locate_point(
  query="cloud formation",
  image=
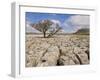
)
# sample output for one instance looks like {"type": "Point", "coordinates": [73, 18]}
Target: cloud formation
{"type": "Point", "coordinates": [29, 28]}
{"type": "Point", "coordinates": [75, 22]}
{"type": "Point", "coordinates": [56, 21]}
{"type": "Point", "coordinates": [70, 25]}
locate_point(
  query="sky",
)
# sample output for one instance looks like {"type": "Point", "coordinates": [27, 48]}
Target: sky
{"type": "Point", "coordinates": [69, 22]}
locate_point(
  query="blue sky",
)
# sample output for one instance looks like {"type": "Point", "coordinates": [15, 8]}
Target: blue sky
{"type": "Point", "coordinates": [68, 22]}
{"type": "Point", "coordinates": [36, 17]}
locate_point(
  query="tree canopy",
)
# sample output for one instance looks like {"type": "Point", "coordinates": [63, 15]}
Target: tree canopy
{"type": "Point", "coordinates": [44, 26]}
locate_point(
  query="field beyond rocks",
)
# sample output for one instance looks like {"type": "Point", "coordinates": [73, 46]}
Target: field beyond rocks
{"type": "Point", "coordinates": [59, 50]}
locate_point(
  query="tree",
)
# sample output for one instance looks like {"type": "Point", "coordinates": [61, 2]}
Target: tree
{"type": "Point", "coordinates": [44, 26]}
{"type": "Point", "coordinates": [54, 30]}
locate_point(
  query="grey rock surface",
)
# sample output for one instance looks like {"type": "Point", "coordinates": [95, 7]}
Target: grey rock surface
{"type": "Point", "coordinates": [57, 51]}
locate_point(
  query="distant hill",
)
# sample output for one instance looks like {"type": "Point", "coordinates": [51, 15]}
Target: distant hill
{"type": "Point", "coordinates": [83, 31]}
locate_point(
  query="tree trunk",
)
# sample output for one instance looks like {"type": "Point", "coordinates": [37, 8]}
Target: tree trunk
{"type": "Point", "coordinates": [44, 34]}
{"type": "Point", "coordinates": [53, 33]}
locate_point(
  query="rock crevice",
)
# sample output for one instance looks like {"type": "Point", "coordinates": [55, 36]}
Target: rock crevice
{"type": "Point", "coordinates": [69, 50]}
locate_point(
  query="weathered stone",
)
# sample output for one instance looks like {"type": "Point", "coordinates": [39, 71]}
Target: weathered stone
{"type": "Point", "coordinates": [58, 50]}
{"type": "Point", "coordinates": [84, 58]}
{"type": "Point", "coordinates": [66, 60]}
{"type": "Point", "coordinates": [50, 57]}
{"type": "Point", "coordinates": [31, 61]}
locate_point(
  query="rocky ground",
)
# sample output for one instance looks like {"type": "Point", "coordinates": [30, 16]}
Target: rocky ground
{"type": "Point", "coordinates": [57, 51]}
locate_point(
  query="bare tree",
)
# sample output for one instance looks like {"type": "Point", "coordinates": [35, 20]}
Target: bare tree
{"type": "Point", "coordinates": [44, 26]}
{"type": "Point", "coordinates": [54, 30]}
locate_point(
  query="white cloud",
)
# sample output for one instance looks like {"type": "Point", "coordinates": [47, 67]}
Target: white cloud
{"type": "Point", "coordinates": [29, 27]}
{"type": "Point", "coordinates": [76, 22]}
{"type": "Point", "coordinates": [56, 21]}
{"type": "Point", "coordinates": [54, 25]}
{"type": "Point", "coordinates": [80, 20]}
